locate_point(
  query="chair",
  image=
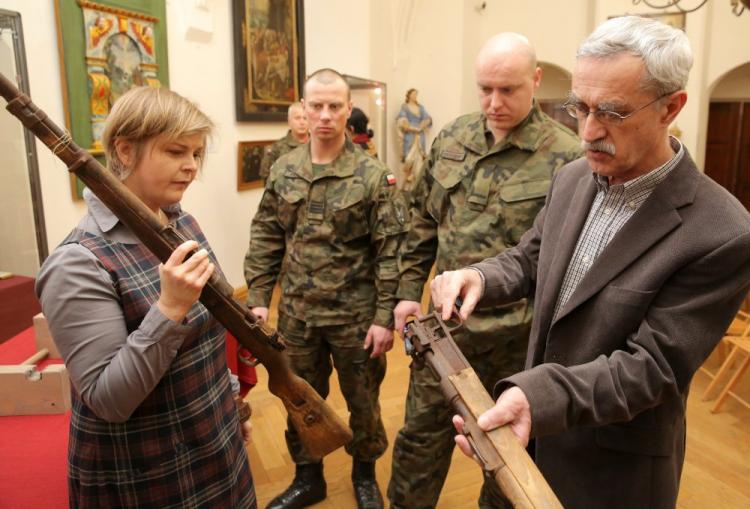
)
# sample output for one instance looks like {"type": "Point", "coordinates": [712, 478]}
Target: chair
{"type": "Point", "coordinates": [740, 349]}
{"type": "Point", "coordinates": [741, 346]}
{"type": "Point", "coordinates": [739, 327]}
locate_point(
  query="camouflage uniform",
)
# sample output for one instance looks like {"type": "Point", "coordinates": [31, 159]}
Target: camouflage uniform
{"type": "Point", "coordinates": [469, 203]}
{"type": "Point", "coordinates": [333, 235]}
{"type": "Point", "coordinates": [274, 151]}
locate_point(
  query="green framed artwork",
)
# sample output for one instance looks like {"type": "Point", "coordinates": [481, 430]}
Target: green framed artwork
{"type": "Point", "coordinates": [106, 48]}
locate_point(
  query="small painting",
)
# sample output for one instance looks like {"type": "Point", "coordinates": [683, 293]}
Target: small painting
{"type": "Point", "coordinates": [249, 157]}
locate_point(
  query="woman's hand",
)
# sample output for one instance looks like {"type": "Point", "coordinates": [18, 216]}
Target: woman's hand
{"type": "Point", "coordinates": [182, 281]}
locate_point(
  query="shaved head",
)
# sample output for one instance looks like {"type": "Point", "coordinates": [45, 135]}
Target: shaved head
{"type": "Point", "coordinates": [507, 78]}
{"type": "Point", "coordinates": [327, 76]}
{"type": "Point", "coordinates": [507, 48]}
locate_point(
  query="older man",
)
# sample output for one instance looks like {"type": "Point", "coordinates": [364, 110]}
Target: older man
{"type": "Point", "coordinates": [638, 262]}
{"type": "Point", "coordinates": [483, 184]}
{"type": "Point", "coordinates": [296, 135]}
{"type": "Point", "coordinates": [330, 222]}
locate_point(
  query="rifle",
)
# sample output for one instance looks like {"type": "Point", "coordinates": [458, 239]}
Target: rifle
{"type": "Point", "coordinates": [429, 342]}
{"type": "Point", "coordinates": [320, 429]}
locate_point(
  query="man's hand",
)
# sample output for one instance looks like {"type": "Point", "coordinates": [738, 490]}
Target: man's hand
{"type": "Point", "coordinates": [261, 312]}
{"type": "Point", "coordinates": [380, 338]}
{"type": "Point", "coordinates": [448, 286]}
{"type": "Point", "coordinates": [247, 431]}
{"type": "Point", "coordinates": [511, 408]}
{"type": "Point", "coordinates": [404, 310]}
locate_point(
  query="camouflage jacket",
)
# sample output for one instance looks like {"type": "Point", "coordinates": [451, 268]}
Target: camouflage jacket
{"type": "Point", "coordinates": [471, 202]}
{"type": "Point", "coordinates": [332, 237]}
{"type": "Point", "coordinates": [277, 149]}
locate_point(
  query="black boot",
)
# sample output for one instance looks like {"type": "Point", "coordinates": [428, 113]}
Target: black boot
{"type": "Point", "coordinates": [365, 486]}
{"type": "Point", "coordinates": [308, 488]}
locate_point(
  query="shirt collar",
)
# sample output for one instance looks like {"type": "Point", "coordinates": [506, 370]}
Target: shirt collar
{"type": "Point", "coordinates": [106, 220]}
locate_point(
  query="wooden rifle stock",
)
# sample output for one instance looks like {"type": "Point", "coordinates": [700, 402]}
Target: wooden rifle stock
{"type": "Point", "coordinates": [429, 342]}
{"type": "Point", "coordinates": [320, 429]}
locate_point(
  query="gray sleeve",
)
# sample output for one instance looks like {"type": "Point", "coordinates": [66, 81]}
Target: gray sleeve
{"type": "Point", "coordinates": [111, 370]}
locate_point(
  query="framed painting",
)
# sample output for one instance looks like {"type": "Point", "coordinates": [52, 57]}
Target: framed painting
{"type": "Point", "coordinates": [106, 47]}
{"type": "Point", "coordinates": [249, 157]}
{"type": "Point", "coordinates": [269, 57]}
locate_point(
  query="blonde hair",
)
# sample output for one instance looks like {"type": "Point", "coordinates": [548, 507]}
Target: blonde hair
{"type": "Point", "coordinates": [143, 113]}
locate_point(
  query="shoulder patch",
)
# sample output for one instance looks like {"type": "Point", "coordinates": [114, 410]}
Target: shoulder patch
{"type": "Point", "coordinates": [390, 179]}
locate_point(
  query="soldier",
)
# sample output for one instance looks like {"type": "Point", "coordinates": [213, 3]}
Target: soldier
{"type": "Point", "coordinates": [295, 136]}
{"type": "Point", "coordinates": [484, 182]}
{"type": "Point", "coordinates": [330, 222]}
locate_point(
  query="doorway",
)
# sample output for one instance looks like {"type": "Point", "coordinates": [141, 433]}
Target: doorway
{"type": "Point", "coordinates": [728, 147]}
{"type": "Point", "coordinates": [23, 235]}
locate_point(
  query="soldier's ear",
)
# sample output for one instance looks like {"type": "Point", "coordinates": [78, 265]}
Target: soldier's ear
{"type": "Point", "coordinates": [537, 77]}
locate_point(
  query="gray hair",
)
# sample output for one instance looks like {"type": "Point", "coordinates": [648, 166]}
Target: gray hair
{"type": "Point", "coordinates": [665, 50]}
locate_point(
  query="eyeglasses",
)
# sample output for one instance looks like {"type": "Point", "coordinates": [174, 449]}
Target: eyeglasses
{"type": "Point", "coordinates": [581, 111]}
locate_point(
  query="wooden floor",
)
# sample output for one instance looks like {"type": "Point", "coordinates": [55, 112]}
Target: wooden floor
{"type": "Point", "coordinates": [716, 473]}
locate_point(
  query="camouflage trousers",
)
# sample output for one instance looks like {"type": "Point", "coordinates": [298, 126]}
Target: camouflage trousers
{"type": "Point", "coordinates": [313, 352]}
{"type": "Point", "coordinates": [424, 446]}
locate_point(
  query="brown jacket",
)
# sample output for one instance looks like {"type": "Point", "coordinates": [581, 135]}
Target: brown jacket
{"type": "Point", "coordinates": [607, 380]}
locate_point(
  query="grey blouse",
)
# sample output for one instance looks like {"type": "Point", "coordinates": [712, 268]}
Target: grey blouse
{"type": "Point", "coordinates": [111, 370]}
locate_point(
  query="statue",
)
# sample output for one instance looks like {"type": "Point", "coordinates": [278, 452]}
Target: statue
{"type": "Point", "coordinates": [412, 122]}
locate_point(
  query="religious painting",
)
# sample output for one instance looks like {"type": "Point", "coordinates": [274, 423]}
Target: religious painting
{"type": "Point", "coordinates": [269, 57]}
{"type": "Point", "coordinates": [249, 157]}
{"type": "Point", "coordinates": [107, 47]}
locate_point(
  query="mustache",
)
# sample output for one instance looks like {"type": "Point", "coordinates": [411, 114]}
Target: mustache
{"type": "Point", "coordinates": [599, 146]}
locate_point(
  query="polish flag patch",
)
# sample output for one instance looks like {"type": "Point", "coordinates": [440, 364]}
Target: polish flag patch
{"type": "Point", "coordinates": [391, 179]}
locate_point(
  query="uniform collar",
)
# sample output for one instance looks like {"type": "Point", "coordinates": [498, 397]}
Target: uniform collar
{"type": "Point", "coordinates": [528, 135]}
{"type": "Point", "coordinates": [342, 166]}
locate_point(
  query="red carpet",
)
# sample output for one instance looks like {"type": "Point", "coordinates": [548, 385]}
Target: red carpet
{"type": "Point", "coordinates": [33, 448]}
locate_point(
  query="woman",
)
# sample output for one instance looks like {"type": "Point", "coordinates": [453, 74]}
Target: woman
{"type": "Point", "coordinates": [412, 122]}
{"type": "Point", "coordinates": [360, 133]}
{"type": "Point", "coordinates": [154, 423]}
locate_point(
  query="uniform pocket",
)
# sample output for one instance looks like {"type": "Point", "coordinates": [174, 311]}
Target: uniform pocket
{"type": "Point", "coordinates": [349, 211]}
{"type": "Point", "coordinates": [521, 202]}
{"type": "Point", "coordinates": [288, 207]}
{"type": "Point", "coordinates": [447, 175]}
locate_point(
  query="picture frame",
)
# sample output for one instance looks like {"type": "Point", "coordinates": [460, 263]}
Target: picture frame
{"type": "Point", "coordinates": [269, 57]}
{"type": "Point", "coordinates": [128, 37]}
{"type": "Point", "coordinates": [249, 158]}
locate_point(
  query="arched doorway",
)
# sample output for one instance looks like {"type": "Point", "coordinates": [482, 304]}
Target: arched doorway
{"type": "Point", "coordinates": [728, 136]}
{"type": "Point", "coordinates": [553, 92]}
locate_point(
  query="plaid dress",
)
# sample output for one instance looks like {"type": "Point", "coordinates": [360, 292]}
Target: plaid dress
{"type": "Point", "coordinates": [182, 447]}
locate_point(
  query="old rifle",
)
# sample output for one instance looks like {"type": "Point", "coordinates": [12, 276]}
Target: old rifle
{"type": "Point", "coordinates": [430, 343]}
{"type": "Point", "coordinates": [320, 429]}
